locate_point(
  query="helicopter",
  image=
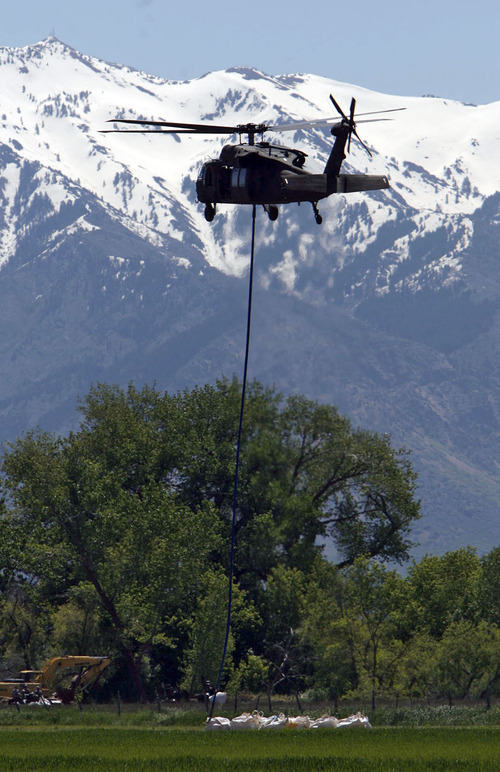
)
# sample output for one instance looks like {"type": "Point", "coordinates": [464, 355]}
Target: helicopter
{"type": "Point", "coordinates": [262, 173]}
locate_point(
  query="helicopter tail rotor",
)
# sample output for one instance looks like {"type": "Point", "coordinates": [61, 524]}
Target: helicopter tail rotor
{"type": "Point", "coordinates": [350, 123]}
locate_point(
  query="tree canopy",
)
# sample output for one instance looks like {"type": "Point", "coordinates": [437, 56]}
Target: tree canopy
{"type": "Point", "coordinates": [116, 537]}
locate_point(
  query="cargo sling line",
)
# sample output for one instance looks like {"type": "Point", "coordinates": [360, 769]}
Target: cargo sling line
{"type": "Point", "coordinates": [237, 463]}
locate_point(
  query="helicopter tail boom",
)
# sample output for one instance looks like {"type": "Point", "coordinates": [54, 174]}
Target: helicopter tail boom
{"type": "Point", "coordinates": [350, 183]}
{"type": "Point", "coordinates": [313, 187]}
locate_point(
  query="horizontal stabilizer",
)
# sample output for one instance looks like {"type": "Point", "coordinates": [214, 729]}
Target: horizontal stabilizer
{"type": "Point", "coordinates": [350, 183]}
{"type": "Point", "coordinates": [303, 187]}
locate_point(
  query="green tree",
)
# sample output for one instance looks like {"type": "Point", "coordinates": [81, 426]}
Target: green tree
{"type": "Point", "coordinates": [76, 624]}
{"type": "Point", "coordinates": [254, 674]}
{"type": "Point", "coordinates": [444, 590]}
{"type": "Point", "coordinates": [325, 632]}
{"type": "Point", "coordinates": [281, 645]}
{"type": "Point", "coordinates": [468, 659]}
{"type": "Point", "coordinates": [113, 524]}
{"type": "Point", "coordinates": [351, 484]}
{"type": "Point", "coordinates": [23, 634]}
{"type": "Point", "coordinates": [136, 505]}
{"type": "Point", "coordinates": [373, 616]}
{"type": "Point", "coordinates": [207, 627]}
{"type": "Point", "coordinates": [489, 587]}
{"type": "Point", "coordinates": [305, 472]}
{"type": "Point", "coordinates": [417, 667]}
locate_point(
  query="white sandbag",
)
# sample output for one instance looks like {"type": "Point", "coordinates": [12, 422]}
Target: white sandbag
{"type": "Point", "coordinates": [299, 722]}
{"type": "Point", "coordinates": [256, 720]}
{"type": "Point", "coordinates": [219, 698]}
{"type": "Point", "coordinates": [274, 722]}
{"type": "Point", "coordinates": [358, 719]}
{"type": "Point", "coordinates": [217, 723]}
{"type": "Point", "coordinates": [325, 722]}
{"type": "Point", "coordinates": [247, 721]}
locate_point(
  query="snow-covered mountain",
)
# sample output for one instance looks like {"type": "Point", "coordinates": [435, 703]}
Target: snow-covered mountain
{"type": "Point", "coordinates": [109, 271]}
{"type": "Point", "coordinates": [438, 153]}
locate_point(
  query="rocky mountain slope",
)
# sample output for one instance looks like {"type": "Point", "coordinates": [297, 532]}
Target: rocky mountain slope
{"type": "Point", "coordinates": [109, 271]}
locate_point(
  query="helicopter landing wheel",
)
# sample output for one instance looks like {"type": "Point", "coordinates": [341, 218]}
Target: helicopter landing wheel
{"type": "Point", "coordinates": [209, 212]}
{"type": "Point", "coordinates": [272, 212]}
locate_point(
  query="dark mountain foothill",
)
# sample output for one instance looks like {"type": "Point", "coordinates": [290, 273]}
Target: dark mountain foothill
{"type": "Point", "coordinates": [389, 310]}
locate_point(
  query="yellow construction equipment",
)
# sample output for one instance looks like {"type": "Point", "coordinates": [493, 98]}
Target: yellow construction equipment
{"type": "Point", "coordinates": [52, 680]}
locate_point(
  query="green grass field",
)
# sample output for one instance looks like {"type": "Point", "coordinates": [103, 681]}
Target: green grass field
{"type": "Point", "coordinates": [389, 748]}
{"type": "Point", "coordinates": [142, 739]}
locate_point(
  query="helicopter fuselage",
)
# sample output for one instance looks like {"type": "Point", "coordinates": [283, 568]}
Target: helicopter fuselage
{"type": "Point", "coordinates": [259, 174]}
{"type": "Point", "coordinates": [268, 174]}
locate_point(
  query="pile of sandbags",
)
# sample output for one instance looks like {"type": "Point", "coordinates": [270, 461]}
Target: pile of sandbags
{"type": "Point", "coordinates": [257, 720]}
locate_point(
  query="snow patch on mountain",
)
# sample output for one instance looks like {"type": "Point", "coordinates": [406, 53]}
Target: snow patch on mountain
{"type": "Point", "coordinates": [440, 156]}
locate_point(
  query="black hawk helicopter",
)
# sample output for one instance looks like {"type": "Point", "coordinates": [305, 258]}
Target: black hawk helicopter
{"type": "Point", "coordinates": [266, 174]}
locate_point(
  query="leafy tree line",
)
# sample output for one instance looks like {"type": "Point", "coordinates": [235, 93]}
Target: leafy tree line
{"type": "Point", "coordinates": [114, 540]}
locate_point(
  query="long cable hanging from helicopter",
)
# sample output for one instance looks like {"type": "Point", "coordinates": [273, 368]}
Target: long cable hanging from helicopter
{"type": "Point", "coordinates": [268, 175]}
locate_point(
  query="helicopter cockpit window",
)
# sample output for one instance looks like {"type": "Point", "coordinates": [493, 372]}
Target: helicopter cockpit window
{"type": "Point", "coordinates": [239, 177]}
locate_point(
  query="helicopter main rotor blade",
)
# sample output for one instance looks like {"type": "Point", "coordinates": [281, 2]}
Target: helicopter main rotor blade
{"type": "Point", "coordinates": [352, 125]}
{"type": "Point", "coordinates": [378, 112]}
{"type": "Point", "coordinates": [319, 123]}
{"type": "Point", "coordinates": [362, 143]}
{"type": "Point", "coordinates": [251, 129]}
{"type": "Point", "coordinates": [296, 126]}
{"type": "Point", "coordinates": [373, 112]}
{"type": "Point", "coordinates": [351, 110]}
{"type": "Point", "coordinates": [338, 108]}
{"type": "Point", "coordinates": [147, 131]}
{"type": "Point", "coordinates": [196, 128]}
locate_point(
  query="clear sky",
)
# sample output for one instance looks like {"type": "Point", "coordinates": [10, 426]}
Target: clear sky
{"type": "Point", "coordinates": [447, 48]}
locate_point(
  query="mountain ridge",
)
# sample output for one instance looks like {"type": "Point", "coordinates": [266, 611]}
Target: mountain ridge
{"type": "Point", "coordinates": [108, 270]}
